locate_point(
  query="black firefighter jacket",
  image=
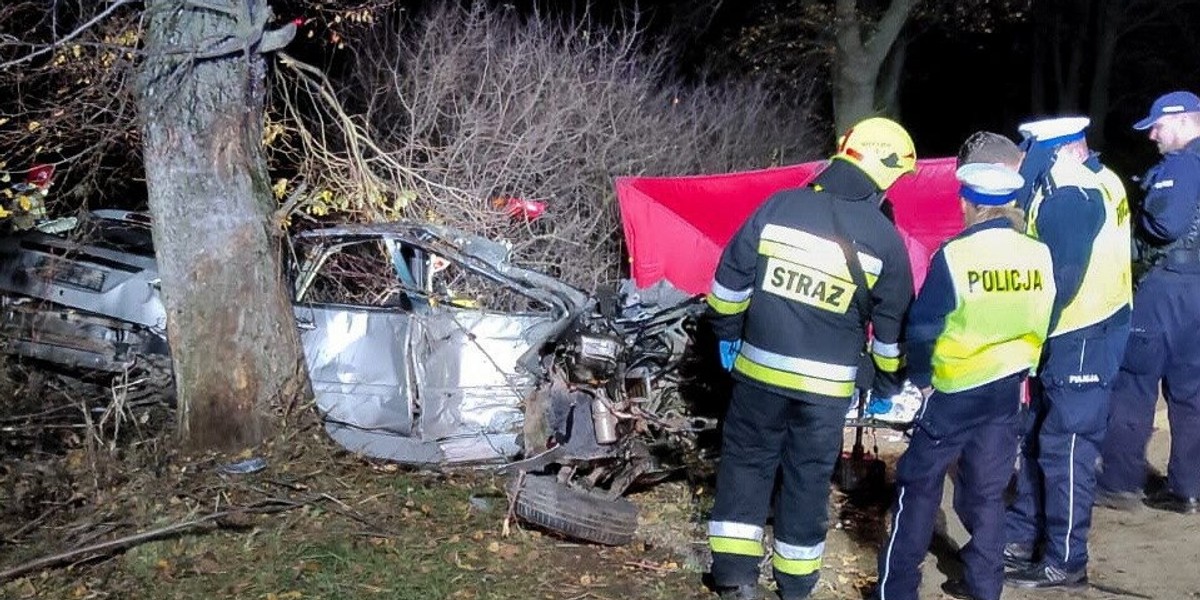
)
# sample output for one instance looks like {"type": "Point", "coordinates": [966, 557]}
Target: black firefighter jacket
{"type": "Point", "coordinates": [785, 289]}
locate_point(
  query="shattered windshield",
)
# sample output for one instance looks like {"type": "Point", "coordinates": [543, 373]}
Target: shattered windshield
{"type": "Point", "coordinates": [387, 273]}
{"type": "Point", "coordinates": [120, 236]}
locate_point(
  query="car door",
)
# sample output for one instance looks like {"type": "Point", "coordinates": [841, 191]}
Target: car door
{"type": "Point", "coordinates": [465, 349]}
{"type": "Point", "coordinates": [355, 318]}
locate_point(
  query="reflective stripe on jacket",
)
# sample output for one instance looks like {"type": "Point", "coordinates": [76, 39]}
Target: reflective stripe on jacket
{"type": "Point", "coordinates": [784, 288]}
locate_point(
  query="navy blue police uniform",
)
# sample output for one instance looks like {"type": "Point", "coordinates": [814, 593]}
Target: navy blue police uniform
{"type": "Point", "coordinates": [1164, 343]}
{"type": "Point", "coordinates": [974, 333]}
{"type": "Point", "coordinates": [1079, 209]}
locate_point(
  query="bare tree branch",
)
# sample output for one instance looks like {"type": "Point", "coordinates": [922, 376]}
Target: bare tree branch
{"type": "Point", "coordinates": [70, 36]}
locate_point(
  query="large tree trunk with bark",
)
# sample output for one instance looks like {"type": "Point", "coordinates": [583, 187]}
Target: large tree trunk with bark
{"type": "Point", "coordinates": [234, 342]}
{"type": "Point", "coordinates": [859, 59]}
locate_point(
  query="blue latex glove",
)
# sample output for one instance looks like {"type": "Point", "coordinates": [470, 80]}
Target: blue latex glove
{"type": "Point", "coordinates": [729, 351]}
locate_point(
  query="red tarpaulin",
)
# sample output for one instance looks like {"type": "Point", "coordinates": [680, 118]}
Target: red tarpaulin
{"type": "Point", "coordinates": [676, 227]}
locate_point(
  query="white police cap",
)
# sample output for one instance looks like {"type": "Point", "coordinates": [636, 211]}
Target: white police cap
{"type": "Point", "coordinates": [1059, 130]}
{"type": "Point", "coordinates": [989, 184]}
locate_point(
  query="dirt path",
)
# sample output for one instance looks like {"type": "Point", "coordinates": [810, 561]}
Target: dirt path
{"type": "Point", "coordinates": [1143, 554]}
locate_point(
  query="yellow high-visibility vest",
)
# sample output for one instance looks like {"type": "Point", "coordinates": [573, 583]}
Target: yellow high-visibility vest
{"type": "Point", "coordinates": [1004, 293]}
{"type": "Point", "coordinates": [1107, 284]}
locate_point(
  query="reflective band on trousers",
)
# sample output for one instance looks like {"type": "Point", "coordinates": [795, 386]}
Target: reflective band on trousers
{"type": "Point", "coordinates": [728, 302]}
{"type": "Point", "coordinates": [886, 356]}
{"type": "Point", "coordinates": [729, 537]}
{"type": "Point", "coordinates": [797, 560]}
{"type": "Point", "coordinates": [794, 373]}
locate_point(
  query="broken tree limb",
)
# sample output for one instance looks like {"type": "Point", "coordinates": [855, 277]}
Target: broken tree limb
{"type": "Point", "coordinates": [124, 543]}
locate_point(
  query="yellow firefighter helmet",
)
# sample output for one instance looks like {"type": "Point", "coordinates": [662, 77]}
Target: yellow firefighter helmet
{"type": "Point", "coordinates": [881, 148]}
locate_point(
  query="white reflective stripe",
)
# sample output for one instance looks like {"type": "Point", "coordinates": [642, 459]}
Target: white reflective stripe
{"type": "Point", "coordinates": [803, 366]}
{"type": "Point", "coordinates": [887, 561]}
{"type": "Point", "coordinates": [791, 552]}
{"type": "Point", "coordinates": [729, 295]}
{"type": "Point", "coordinates": [1166, 183]}
{"type": "Point", "coordinates": [1070, 501]}
{"type": "Point", "coordinates": [804, 248]}
{"type": "Point", "coordinates": [801, 239]}
{"type": "Point", "coordinates": [870, 264]}
{"type": "Point", "coordinates": [885, 350]}
{"type": "Point", "coordinates": [731, 529]}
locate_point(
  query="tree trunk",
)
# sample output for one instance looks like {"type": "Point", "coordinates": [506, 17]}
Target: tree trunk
{"type": "Point", "coordinates": [1040, 54]}
{"type": "Point", "coordinates": [1076, 40]}
{"type": "Point", "coordinates": [891, 75]}
{"type": "Point", "coordinates": [853, 92]}
{"type": "Point", "coordinates": [858, 60]}
{"type": "Point", "coordinates": [234, 341]}
{"type": "Point", "coordinates": [1108, 34]}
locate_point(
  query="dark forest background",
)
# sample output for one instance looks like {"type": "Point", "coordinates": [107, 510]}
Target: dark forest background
{"type": "Point", "coordinates": [955, 67]}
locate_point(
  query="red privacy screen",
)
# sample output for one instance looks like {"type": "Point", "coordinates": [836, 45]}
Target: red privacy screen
{"type": "Point", "coordinates": [676, 227]}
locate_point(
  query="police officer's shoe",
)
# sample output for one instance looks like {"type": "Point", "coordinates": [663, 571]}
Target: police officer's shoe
{"type": "Point", "coordinates": [957, 588]}
{"type": "Point", "coordinates": [1167, 500]}
{"type": "Point", "coordinates": [1122, 501]}
{"type": "Point", "coordinates": [1017, 557]}
{"type": "Point", "coordinates": [1046, 576]}
{"type": "Point", "coordinates": [749, 591]}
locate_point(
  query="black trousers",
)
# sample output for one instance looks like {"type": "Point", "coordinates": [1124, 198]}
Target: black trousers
{"type": "Point", "coordinates": [765, 433]}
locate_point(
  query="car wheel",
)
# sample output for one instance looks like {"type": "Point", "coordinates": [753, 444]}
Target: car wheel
{"type": "Point", "coordinates": [542, 501]}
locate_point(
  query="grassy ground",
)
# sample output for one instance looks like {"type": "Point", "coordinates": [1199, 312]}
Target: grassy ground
{"type": "Point", "coordinates": [321, 523]}
{"type": "Point", "coordinates": [345, 528]}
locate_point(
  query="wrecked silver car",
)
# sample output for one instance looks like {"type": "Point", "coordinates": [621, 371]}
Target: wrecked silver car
{"type": "Point", "coordinates": [425, 346]}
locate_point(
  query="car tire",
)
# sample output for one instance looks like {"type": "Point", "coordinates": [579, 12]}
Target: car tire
{"type": "Point", "coordinates": [542, 501]}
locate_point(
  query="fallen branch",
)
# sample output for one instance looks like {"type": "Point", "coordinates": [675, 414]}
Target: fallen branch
{"type": "Point", "coordinates": [510, 516]}
{"type": "Point", "coordinates": [124, 543]}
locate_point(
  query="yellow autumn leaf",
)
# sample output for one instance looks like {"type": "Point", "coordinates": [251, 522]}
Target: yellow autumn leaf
{"type": "Point", "coordinates": [404, 198]}
{"type": "Point", "coordinates": [272, 132]}
{"type": "Point", "coordinates": [280, 188]}
{"type": "Point", "coordinates": [33, 126]}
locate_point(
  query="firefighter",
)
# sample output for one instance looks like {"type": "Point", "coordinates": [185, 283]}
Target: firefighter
{"type": "Point", "coordinates": [790, 303]}
{"type": "Point", "coordinates": [1165, 340]}
{"type": "Point", "coordinates": [974, 333]}
{"type": "Point", "coordinates": [1078, 208]}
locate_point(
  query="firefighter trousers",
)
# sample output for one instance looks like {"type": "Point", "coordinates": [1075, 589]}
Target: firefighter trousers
{"type": "Point", "coordinates": [765, 433]}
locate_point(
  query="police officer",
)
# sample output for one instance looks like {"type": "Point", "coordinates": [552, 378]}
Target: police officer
{"type": "Point", "coordinates": [1078, 208]}
{"type": "Point", "coordinates": [1164, 343]}
{"type": "Point", "coordinates": [973, 334]}
{"type": "Point", "coordinates": [790, 301]}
